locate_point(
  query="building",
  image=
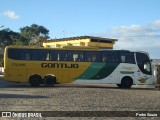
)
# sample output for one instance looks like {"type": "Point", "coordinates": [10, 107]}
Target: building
{"type": "Point", "coordinates": [88, 41]}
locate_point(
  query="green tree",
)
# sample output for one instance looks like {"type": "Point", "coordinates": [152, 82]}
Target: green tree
{"type": "Point", "coordinates": [35, 34]}
{"type": "Point", "coordinates": [6, 36]}
{"type": "Point", "coordinates": [29, 35]}
{"type": "Point", "coordinates": [9, 37]}
{"type": "Point", "coordinates": [19, 40]}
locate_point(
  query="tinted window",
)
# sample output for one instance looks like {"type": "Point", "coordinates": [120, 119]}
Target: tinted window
{"type": "Point", "coordinates": [40, 55]}
{"type": "Point", "coordinates": [127, 57]}
{"type": "Point", "coordinates": [19, 54]}
{"type": "Point", "coordinates": [75, 56]}
{"type": "Point", "coordinates": [111, 57]}
{"type": "Point", "coordinates": [59, 55]}
{"type": "Point", "coordinates": [92, 56]}
{"type": "Point", "coordinates": [143, 63]}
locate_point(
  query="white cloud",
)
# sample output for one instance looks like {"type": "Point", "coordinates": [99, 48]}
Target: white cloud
{"type": "Point", "coordinates": [156, 24]}
{"type": "Point", "coordinates": [137, 37]}
{"type": "Point", "coordinates": [10, 14]}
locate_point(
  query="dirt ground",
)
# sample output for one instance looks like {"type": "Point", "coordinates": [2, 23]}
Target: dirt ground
{"type": "Point", "coordinates": [71, 97]}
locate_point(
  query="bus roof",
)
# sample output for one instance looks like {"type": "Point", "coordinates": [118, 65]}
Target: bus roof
{"type": "Point", "coordinates": [64, 48]}
{"type": "Point", "coordinates": [72, 48]}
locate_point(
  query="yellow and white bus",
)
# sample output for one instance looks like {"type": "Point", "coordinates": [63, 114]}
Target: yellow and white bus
{"type": "Point", "coordinates": [76, 65]}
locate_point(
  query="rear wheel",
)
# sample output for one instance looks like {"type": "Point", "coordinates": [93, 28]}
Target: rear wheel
{"type": "Point", "coordinates": [126, 82]}
{"type": "Point", "coordinates": [49, 81]}
{"type": "Point", "coordinates": [35, 80]}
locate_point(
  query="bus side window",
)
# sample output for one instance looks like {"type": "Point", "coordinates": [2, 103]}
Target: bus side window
{"type": "Point", "coordinates": [87, 57]}
{"type": "Point", "coordinates": [14, 54]}
{"type": "Point", "coordinates": [81, 57]}
{"type": "Point", "coordinates": [63, 56]}
{"type": "Point", "coordinates": [104, 58]}
{"type": "Point", "coordinates": [48, 56]}
{"type": "Point", "coordinates": [53, 56]}
{"type": "Point", "coordinates": [70, 56]}
{"type": "Point", "coordinates": [40, 55]}
{"type": "Point", "coordinates": [123, 59]}
{"type": "Point", "coordinates": [92, 56]}
{"type": "Point", "coordinates": [75, 56]}
{"type": "Point", "coordinates": [27, 57]}
{"type": "Point", "coordinates": [58, 55]}
{"type": "Point", "coordinates": [110, 57]}
{"type": "Point", "coordinates": [19, 54]}
{"type": "Point", "coordinates": [127, 57]}
{"type": "Point", "coordinates": [26, 54]}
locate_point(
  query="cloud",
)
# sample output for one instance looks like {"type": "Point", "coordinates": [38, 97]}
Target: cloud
{"type": "Point", "coordinates": [136, 37]}
{"type": "Point", "coordinates": [10, 14]}
{"type": "Point", "coordinates": [156, 25]}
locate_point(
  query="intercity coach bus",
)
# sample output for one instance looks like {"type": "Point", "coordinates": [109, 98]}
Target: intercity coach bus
{"type": "Point", "coordinates": [49, 66]}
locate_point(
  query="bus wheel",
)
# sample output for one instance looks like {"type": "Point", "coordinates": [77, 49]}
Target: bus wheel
{"type": "Point", "coordinates": [126, 82]}
{"type": "Point", "coordinates": [35, 80]}
{"type": "Point", "coordinates": [49, 81]}
{"type": "Point", "coordinates": [119, 85]}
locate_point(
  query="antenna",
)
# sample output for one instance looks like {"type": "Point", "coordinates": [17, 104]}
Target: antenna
{"type": "Point", "coordinates": [64, 34]}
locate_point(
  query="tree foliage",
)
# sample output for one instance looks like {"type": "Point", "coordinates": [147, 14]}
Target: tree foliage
{"type": "Point", "coordinates": [6, 37]}
{"type": "Point", "coordinates": [28, 36]}
{"type": "Point", "coordinates": [34, 34]}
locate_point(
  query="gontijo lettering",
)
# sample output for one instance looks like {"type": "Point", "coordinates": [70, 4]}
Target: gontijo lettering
{"type": "Point", "coordinates": [58, 65]}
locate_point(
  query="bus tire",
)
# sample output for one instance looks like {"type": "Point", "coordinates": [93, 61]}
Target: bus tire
{"type": "Point", "coordinates": [35, 80]}
{"type": "Point", "coordinates": [49, 81]}
{"type": "Point", "coordinates": [119, 85]}
{"type": "Point", "coordinates": [126, 82]}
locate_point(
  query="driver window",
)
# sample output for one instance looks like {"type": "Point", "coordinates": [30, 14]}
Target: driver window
{"type": "Point", "coordinates": [143, 63]}
{"type": "Point", "coordinates": [147, 66]}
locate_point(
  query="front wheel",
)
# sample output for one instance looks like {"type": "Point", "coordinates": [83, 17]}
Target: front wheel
{"type": "Point", "coordinates": [126, 82]}
{"type": "Point", "coordinates": [119, 85]}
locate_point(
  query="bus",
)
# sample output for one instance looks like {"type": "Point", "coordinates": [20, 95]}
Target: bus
{"type": "Point", "coordinates": [82, 65]}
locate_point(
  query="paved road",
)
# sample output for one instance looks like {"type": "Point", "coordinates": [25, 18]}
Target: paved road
{"type": "Point", "coordinates": [70, 97]}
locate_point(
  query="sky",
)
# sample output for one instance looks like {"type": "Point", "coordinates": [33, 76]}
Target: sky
{"type": "Point", "coordinates": [135, 23]}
